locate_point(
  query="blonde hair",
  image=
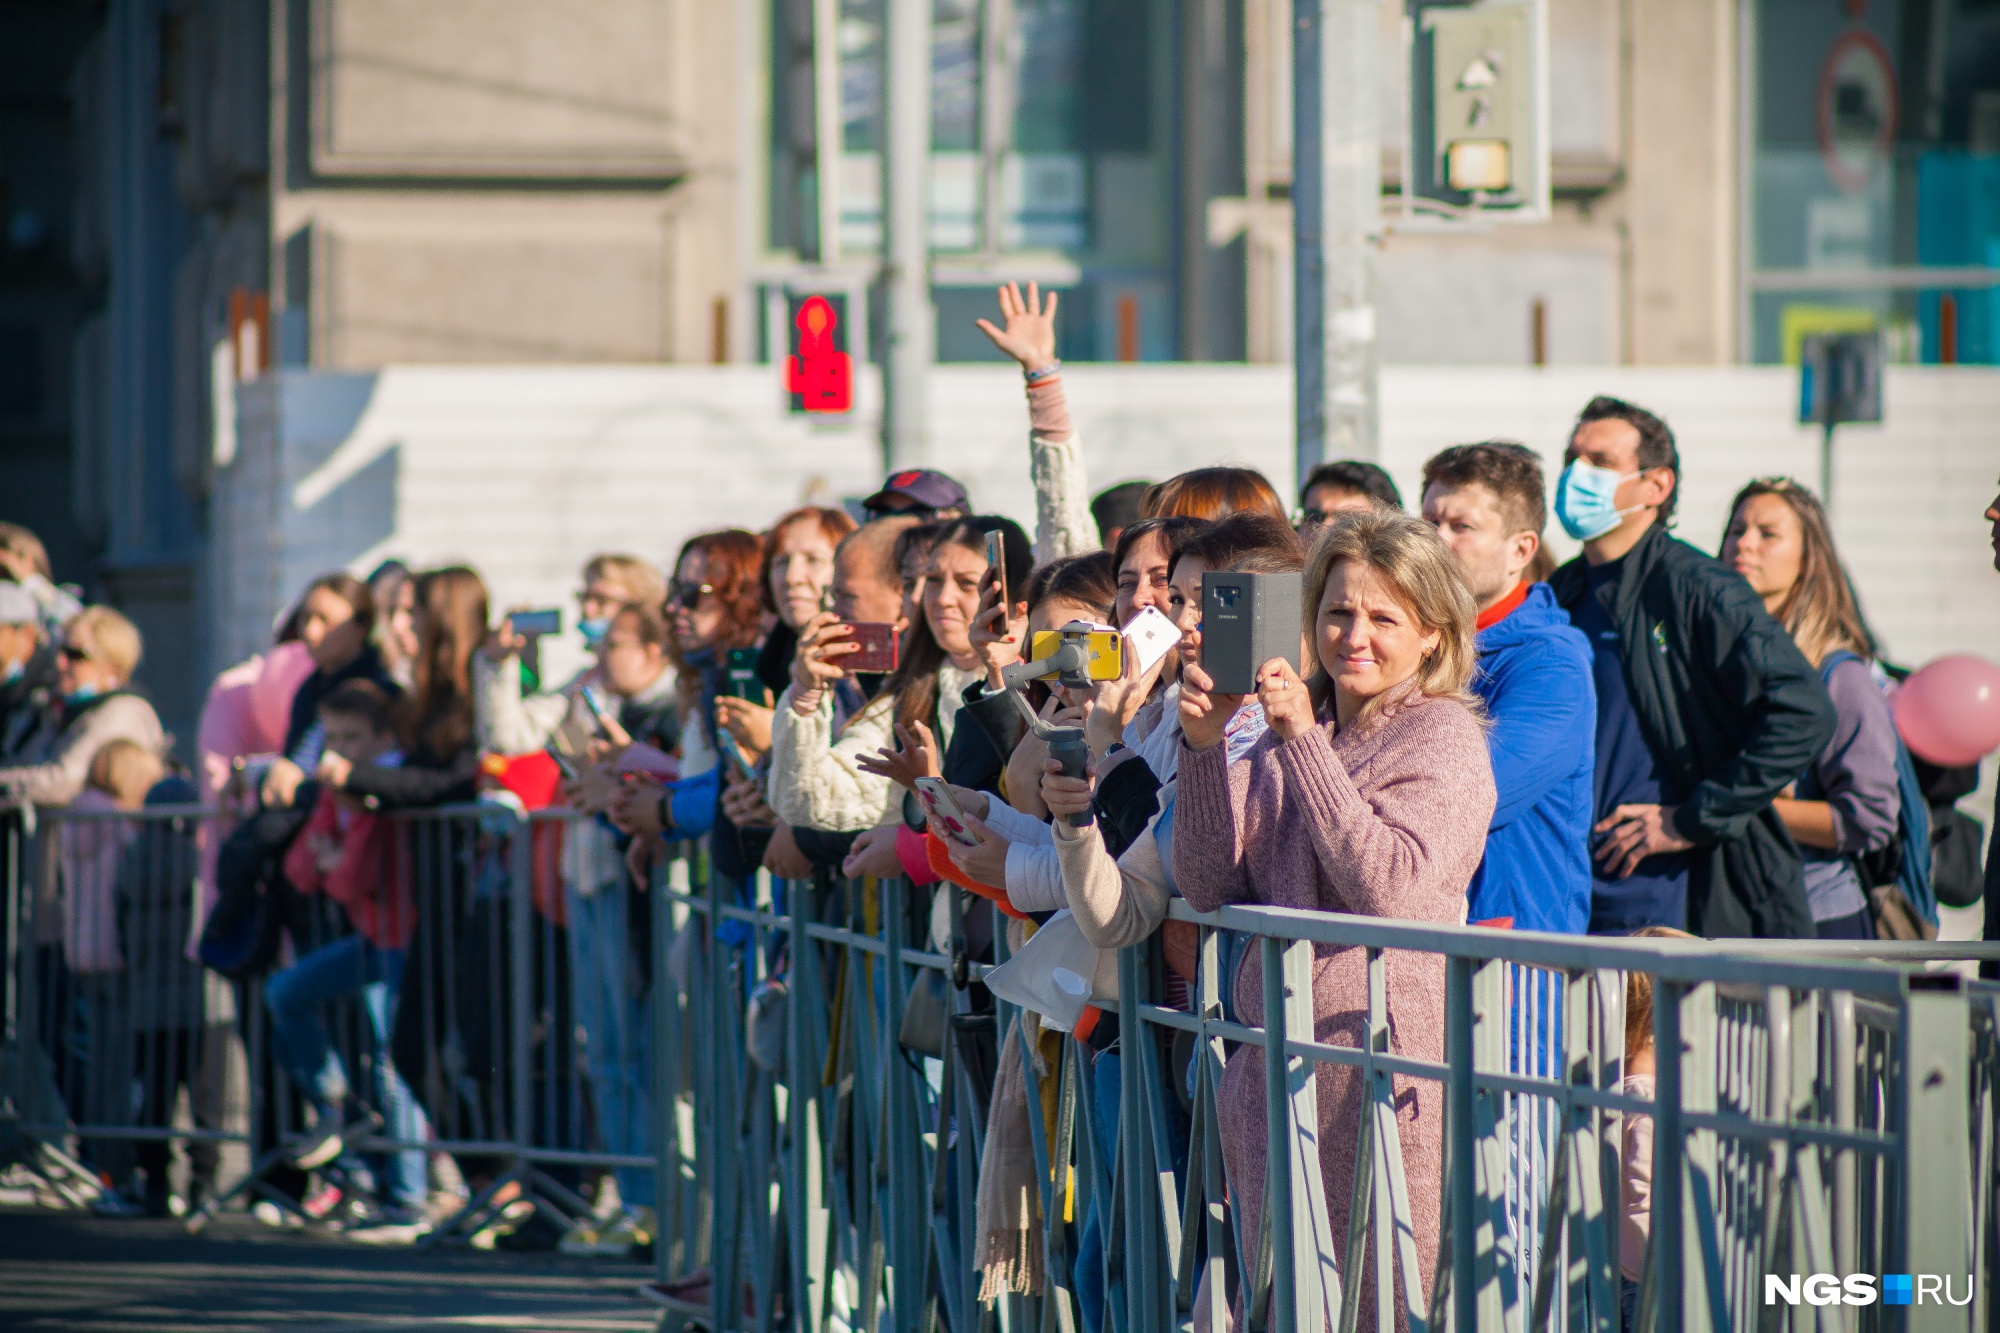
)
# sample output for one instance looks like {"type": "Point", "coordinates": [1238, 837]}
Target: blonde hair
{"type": "Point", "coordinates": [110, 637]}
{"type": "Point", "coordinates": [641, 579]}
{"type": "Point", "coordinates": [1426, 578]}
{"type": "Point", "coordinates": [125, 771]}
{"type": "Point", "coordinates": [1639, 993]}
{"type": "Point", "coordinates": [23, 544]}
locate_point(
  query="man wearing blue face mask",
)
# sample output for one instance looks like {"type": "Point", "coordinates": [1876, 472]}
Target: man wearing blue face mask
{"type": "Point", "coordinates": [1705, 707]}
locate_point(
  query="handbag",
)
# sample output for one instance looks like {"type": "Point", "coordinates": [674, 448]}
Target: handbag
{"type": "Point", "coordinates": [925, 1015]}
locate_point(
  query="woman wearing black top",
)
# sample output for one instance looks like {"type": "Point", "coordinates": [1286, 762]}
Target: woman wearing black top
{"type": "Point", "coordinates": [335, 618]}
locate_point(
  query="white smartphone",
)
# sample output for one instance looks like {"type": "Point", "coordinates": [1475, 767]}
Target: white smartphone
{"type": "Point", "coordinates": [1151, 634]}
{"type": "Point", "coordinates": [939, 804]}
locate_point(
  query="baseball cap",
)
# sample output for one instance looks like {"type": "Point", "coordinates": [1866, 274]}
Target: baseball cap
{"type": "Point", "coordinates": [923, 488]}
{"type": "Point", "coordinates": [18, 605]}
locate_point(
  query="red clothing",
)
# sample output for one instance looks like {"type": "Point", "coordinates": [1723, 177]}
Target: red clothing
{"type": "Point", "coordinates": [371, 879]}
{"type": "Point", "coordinates": [1503, 608]}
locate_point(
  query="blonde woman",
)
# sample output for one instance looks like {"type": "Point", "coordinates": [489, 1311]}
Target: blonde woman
{"type": "Point", "coordinates": [1369, 794]}
{"type": "Point", "coordinates": [1847, 803]}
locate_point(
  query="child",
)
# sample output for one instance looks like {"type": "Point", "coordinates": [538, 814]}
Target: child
{"type": "Point", "coordinates": [173, 1044]}
{"type": "Point", "coordinates": [354, 856]}
{"type": "Point", "coordinates": [1635, 1213]}
{"type": "Point", "coordinates": [91, 841]}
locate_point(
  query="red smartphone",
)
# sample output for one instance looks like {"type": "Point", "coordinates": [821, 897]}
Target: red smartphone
{"type": "Point", "coordinates": [878, 647]}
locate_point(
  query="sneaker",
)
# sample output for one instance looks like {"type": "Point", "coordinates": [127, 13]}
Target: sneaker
{"type": "Point", "coordinates": [328, 1138]}
{"type": "Point", "coordinates": [321, 1202]}
{"type": "Point", "coordinates": [271, 1215]}
{"type": "Point", "coordinates": [581, 1240]}
{"type": "Point", "coordinates": [112, 1203]}
{"type": "Point", "coordinates": [615, 1239]}
{"type": "Point", "coordinates": [391, 1226]}
{"type": "Point", "coordinates": [512, 1215]}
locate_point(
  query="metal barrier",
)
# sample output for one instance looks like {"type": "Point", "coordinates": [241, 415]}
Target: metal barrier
{"type": "Point", "coordinates": [1828, 1109]}
{"type": "Point", "coordinates": [482, 1059]}
{"type": "Point", "coordinates": [1826, 1114]}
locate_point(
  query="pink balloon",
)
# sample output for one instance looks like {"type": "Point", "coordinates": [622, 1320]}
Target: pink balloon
{"type": "Point", "coordinates": [1949, 711]}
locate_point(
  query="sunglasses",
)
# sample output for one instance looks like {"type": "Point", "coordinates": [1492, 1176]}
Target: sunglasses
{"type": "Point", "coordinates": [73, 653]}
{"type": "Point", "coordinates": [688, 595]}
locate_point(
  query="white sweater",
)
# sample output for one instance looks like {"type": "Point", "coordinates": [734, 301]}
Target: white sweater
{"type": "Point", "coordinates": [817, 780]}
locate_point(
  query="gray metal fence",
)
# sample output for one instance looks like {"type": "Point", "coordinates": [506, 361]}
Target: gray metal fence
{"type": "Point", "coordinates": [811, 1075]}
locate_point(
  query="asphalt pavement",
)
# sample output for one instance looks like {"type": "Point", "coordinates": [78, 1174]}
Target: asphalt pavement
{"type": "Point", "coordinates": [82, 1274]}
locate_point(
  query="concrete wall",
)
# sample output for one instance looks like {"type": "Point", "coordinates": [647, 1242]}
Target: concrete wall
{"type": "Point", "coordinates": [525, 471]}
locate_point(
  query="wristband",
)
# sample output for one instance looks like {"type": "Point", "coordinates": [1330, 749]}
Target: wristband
{"type": "Point", "coordinates": [1048, 372]}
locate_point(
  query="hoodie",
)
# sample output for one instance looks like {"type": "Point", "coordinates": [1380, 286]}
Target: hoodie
{"type": "Point", "coordinates": [1535, 679]}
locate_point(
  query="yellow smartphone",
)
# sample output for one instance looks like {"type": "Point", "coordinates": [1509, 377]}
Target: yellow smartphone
{"type": "Point", "coordinates": [1106, 649]}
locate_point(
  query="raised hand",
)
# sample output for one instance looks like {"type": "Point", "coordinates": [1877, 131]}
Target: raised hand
{"type": "Point", "coordinates": [823, 641]}
{"type": "Point", "coordinates": [1288, 706]}
{"type": "Point", "coordinates": [998, 634]}
{"type": "Point", "coordinates": [1114, 703]}
{"type": "Point", "coordinates": [916, 758]}
{"type": "Point", "coordinates": [1030, 335]}
{"type": "Point", "coordinates": [1204, 714]}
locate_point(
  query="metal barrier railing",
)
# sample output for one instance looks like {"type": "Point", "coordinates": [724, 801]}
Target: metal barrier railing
{"type": "Point", "coordinates": [482, 1060]}
{"type": "Point", "coordinates": [1830, 1109]}
{"type": "Point", "coordinates": [1820, 1091]}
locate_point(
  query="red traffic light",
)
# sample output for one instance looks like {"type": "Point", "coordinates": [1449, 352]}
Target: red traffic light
{"type": "Point", "coordinates": [819, 374]}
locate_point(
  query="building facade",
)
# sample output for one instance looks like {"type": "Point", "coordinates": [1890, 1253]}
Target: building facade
{"type": "Point", "coordinates": [201, 190]}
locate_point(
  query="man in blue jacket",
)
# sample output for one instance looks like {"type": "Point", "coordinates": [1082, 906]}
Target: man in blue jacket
{"type": "Point", "coordinates": [1486, 501]}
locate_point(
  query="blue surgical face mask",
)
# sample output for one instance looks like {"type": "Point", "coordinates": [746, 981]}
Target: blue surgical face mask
{"type": "Point", "coordinates": [15, 670]}
{"type": "Point", "coordinates": [593, 631]}
{"type": "Point", "coordinates": [1586, 500]}
{"type": "Point", "coordinates": [82, 694]}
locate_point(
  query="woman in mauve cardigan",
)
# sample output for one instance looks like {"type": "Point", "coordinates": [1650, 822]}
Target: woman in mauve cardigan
{"type": "Point", "coordinates": [1369, 795]}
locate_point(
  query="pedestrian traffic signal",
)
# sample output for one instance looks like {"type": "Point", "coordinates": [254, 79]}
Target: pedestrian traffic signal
{"type": "Point", "coordinates": [819, 374]}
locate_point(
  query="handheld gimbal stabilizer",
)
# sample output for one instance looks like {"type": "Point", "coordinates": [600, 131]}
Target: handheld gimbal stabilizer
{"type": "Point", "coordinates": [1068, 665]}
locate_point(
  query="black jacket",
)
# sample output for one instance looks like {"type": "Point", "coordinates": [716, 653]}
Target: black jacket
{"type": "Point", "coordinates": [1731, 711]}
{"type": "Point", "coordinates": [30, 707]}
{"type": "Point", "coordinates": [367, 665]}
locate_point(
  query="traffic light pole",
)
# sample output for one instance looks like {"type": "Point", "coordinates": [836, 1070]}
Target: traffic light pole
{"type": "Point", "coordinates": [1336, 220]}
{"type": "Point", "coordinates": [908, 343]}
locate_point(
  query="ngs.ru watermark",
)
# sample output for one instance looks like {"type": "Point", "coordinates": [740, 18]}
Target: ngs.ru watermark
{"type": "Point", "coordinates": [1866, 1289]}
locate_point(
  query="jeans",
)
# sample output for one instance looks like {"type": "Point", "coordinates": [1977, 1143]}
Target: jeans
{"type": "Point", "coordinates": [1107, 1093]}
{"type": "Point", "coordinates": [617, 1021]}
{"type": "Point", "coordinates": [349, 966]}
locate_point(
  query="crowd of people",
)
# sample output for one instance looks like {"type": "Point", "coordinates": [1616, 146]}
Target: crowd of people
{"type": "Point", "coordinates": [1647, 739]}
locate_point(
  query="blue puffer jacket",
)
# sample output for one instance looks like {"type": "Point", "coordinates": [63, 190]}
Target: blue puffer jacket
{"type": "Point", "coordinates": [1534, 674]}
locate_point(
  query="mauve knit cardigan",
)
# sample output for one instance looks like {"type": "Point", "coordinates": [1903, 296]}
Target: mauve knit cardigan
{"type": "Point", "coordinates": [1384, 818]}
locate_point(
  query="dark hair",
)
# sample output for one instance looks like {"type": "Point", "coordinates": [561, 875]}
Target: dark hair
{"type": "Point", "coordinates": [650, 622]}
{"type": "Point", "coordinates": [834, 525]}
{"type": "Point", "coordinates": [391, 568]}
{"type": "Point", "coordinates": [917, 540]}
{"type": "Point", "coordinates": [1119, 506]}
{"type": "Point", "coordinates": [1513, 472]}
{"type": "Point", "coordinates": [348, 589]}
{"type": "Point", "coordinates": [1211, 492]}
{"type": "Point", "coordinates": [914, 683]}
{"type": "Point", "coordinates": [437, 713]}
{"type": "Point", "coordinates": [735, 561]}
{"type": "Point", "coordinates": [1252, 542]}
{"type": "Point", "coordinates": [362, 699]}
{"type": "Point", "coordinates": [1656, 441]}
{"type": "Point", "coordinates": [1351, 474]}
{"type": "Point", "coordinates": [1090, 579]}
{"type": "Point", "coordinates": [1168, 530]}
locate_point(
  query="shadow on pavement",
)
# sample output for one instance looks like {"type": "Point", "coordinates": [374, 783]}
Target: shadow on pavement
{"type": "Point", "coordinates": [71, 1271]}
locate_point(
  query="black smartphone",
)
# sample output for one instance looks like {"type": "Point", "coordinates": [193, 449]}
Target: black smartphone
{"type": "Point", "coordinates": [529, 624]}
{"type": "Point", "coordinates": [996, 560]}
{"type": "Point", "coordinates": [1246, 620]}
{"type": "Point", "coordinates": [740, 675]}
